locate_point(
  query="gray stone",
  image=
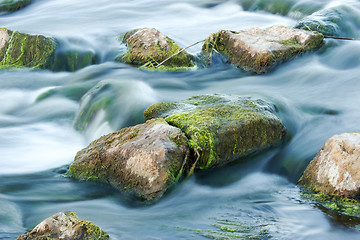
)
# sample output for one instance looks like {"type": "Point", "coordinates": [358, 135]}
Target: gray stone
{"type": "Point", "coordinates": [145, 159]}
{"type": "Point", "coordinates": [258, 50]}
{"type": "Point", "coordinates": [67, 226]}
{"type": "Point", "coordinates": [336, 168]}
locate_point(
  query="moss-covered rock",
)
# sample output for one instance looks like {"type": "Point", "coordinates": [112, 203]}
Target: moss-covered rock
{"type": "Point", "coordinates": [222, 128]}
{"type": "Point", "coordinates": [37, 51]}
{"type": "Point", "coordinates": [65, 225]}
{"type": "Point", "coordinates": [149, 47]}
{"type": "Point", "coordinates": [13, 5]}
{"type": "Point", "coordinates": [24, 50]}
{"type": "Point", "coordinates": [145, 159]}
{"type": "Point", "coordinates": [258, 50]}
{"type": "Point", "coordinates": [340, 20]}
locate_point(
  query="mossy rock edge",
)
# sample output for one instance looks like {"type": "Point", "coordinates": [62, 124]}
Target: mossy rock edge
{"type": "Point", "coordinates": [222, 128]}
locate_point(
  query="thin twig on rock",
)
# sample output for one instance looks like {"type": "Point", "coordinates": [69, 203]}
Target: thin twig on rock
{"type": "Point", "coordinates": [181, 50]}
{"type": "Point", "coordinates": [342, 38]}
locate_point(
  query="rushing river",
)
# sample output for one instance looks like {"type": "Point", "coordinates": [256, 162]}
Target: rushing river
{"type": "Point", "coordinates": [317, 94]}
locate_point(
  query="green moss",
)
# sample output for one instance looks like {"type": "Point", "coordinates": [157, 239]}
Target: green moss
{"type": "Point", "coordinates": [73, 60]}
{"type": "Point", "coordinates": [157, 110]}
{"type": "Point", "coordinates": [336, 203]}
{"type": "Point", "coordinates": [25, 50]}
{"type": "Point", "coordinates": [13, 5]}
{"type": "Point", "coordinates": [204, 99]}
{"type": "Point", "coordinates": [221, 129]}
{"type": "Point", "coordinates": [90, 231]}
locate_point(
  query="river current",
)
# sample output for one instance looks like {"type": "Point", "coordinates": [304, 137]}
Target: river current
{"type": "Point", "coordinates": [317, 95]}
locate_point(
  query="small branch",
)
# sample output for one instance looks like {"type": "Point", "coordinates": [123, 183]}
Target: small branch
{"type": "Point", "coordinates": [181, 50]}
{"type": "Point", "coordinates": [342, 38]}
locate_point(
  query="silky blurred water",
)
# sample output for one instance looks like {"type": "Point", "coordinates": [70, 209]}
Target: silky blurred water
{"type": "Point", "coordinates": [317, 95]}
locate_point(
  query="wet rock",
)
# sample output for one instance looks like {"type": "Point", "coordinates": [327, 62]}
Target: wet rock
{"type": "Point", "coordinates": [65, 225]}
{"type": "Point", "coordinates": [281, 7]}
{"type": "Point", "coordinates": [13, 5]}
{"type": "Point", "coordinates": [337, 21]}
{"type": "Point", "coordinates": [258, 50]}
{"type": "Point", "coordinates": [149, 47]}
{"type": "Point", "coordinates": [24, 50]}
{"type": "Point", "coordinates": [37, 51]}
{"type": "Point", "coordinates": [73, 60]}
{"type": "Point", "coordinates": [222, 128]}
{"type": "Point", "coordinates": [107, 99]}
{"type": "Point", "coordinates": [145, 159]}
{"type": "Point", "coordinates": [336, 168]}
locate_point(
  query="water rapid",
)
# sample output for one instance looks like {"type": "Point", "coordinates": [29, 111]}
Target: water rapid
{"type": "Point", "coordinates": [42, 122]}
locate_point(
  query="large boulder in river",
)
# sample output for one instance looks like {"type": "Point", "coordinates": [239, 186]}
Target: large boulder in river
{"type": "Point", "coordinates": [149, 47]}
{"type": "Point", "coordinates": [222, 128]}
{"type": "Point", "coordinates": [24, 50]}
{"type": "Point", "coordinates": [65, 225]}
{"type": "Point", "coordinates": [258, 50]}
{"type": "Point", "coordinates": [335, 170]}
{"type": "Point", "coordinates": [13, 5]}
{"type": "Point", "coordinates": [145, 159]}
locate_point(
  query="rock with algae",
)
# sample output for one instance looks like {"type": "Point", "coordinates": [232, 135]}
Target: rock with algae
{"type": "Point", "coordinates": [333, 176]}
{"type": "Point", "coordinates": [258, 50]}
{"type": "Point", "coordinates": [145, 159]}
{"type": "Point", "coordinates": [65, 225]}
{"type": "Point", "coordinates": [13, 5]}
{"type": "Point", "coordinates": [37, 51]}
{"type": "Point", "coordinates": [222, 128]}
{"type": "Point", "coordinates": [149, 47]}
{"type": "Point", "coordinates": [24, 50]}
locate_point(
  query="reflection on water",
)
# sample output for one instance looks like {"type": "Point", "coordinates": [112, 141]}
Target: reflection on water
{"type": "Point", "coordinates": [46, 117]}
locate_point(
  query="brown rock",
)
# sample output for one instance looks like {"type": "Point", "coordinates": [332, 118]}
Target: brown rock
{"type": "Point", "coordinates": [257, 50]}
{"type": "Point", "coordinates": [336, 168]}
{"type": "Point", "coordinates": [66, 226]}
{"type": "Point", "coordinates": [145, 159]}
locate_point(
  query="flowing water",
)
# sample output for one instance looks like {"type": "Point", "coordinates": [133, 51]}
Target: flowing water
{"type": "Point", "coordinates": [41, 126]}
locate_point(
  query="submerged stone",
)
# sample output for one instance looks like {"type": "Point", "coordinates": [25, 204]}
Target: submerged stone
{"type": "Point", "coordinates": [73, 60]}
{"type": "Point", "coordinates": [24, 50]}
{"type": "Point", "coordinates": [145, 159]}
{"type": "Point", "coordinates": [13, 5]}
{"type": "Point", "coordinates": [222, 128]}
{"type": "Point", "coordinates": [335, 170]}
{"type": "Point", "coordinates": [149, 47]}
{"type": "Point", "coordinates": [65, 225]}
{"type": "Point", "coordinates": [258, 50]}
{"type": "Point", "coordinates": [340, 20]}
{"type": "Point", "coordinates": [120, 103]}
{"type": "Point", "coordinates": [281, 7]}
